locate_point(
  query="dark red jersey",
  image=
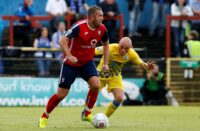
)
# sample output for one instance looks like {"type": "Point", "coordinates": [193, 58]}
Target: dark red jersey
{"type": "Point", "coordinates": [83, 41]}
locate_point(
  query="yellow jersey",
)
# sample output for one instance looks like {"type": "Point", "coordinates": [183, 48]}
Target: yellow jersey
{"type": "Point", "coordinates": [116, 61]}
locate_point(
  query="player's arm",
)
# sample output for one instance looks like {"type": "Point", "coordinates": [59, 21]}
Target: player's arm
{"type": "Point", "coordinates": [64, 46]}
{"type": "Point", "coordinates": [135, 59]}
{"type": "Point", "coordinates": [106, 51]}
{"type": "Point", "coordinates": [73, 32]}
{"type": "Point", "coordinates": [148, 66]}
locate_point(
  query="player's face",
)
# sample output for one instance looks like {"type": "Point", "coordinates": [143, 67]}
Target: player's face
{"type": "Point", "coordinates": [123, 49]}
{"type": "Point", "coordinates": [98, 18]}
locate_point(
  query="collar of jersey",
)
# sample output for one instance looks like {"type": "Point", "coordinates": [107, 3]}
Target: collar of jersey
{"type": "Point", "coordinates": [89, 26]}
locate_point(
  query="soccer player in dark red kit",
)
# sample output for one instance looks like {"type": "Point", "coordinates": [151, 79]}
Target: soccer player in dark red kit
{"type": "Point", "coordinates": [78, 45]}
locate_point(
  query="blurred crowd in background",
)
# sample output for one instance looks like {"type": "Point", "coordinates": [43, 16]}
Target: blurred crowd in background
{"type": "Point", "coordinates": [185, 38]}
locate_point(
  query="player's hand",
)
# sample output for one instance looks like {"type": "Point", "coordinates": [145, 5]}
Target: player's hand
{"type": "Point", "coordinates": [150, 65]}
{"type": "Point", "coordinates": [72, 59]}
{"type": "Point", "coordinates": [105, 68]}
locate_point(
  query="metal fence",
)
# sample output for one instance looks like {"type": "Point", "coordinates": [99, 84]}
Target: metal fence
{"type": "Point", "coordinates": [183, 78]}
{"type": "Point", "coordinates": [21, 61]}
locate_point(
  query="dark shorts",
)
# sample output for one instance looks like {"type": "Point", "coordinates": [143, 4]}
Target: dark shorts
{"type": "Point", "coordinates": [69, 73]}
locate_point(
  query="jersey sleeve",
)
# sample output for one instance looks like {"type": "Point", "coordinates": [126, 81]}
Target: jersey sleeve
{"type": "Point", "coordinates": [105, 36]}
{"type": "Point", "coordinates": [99, 50]}
{"type": "Point", "coordinates": [134, 57]}
{"type": "Point", "coordinates": [73, 32]}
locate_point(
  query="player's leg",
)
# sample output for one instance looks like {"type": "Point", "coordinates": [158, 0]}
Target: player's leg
{"type": "Point", "coordinates": [118, 98]}
{"type": "Point", "coordinates": [54, 101]}
{"type": "Point", "coordinates": [115, 86]}
{"type": "Point", "coordinates": [67, 77]}
{"type": "Point", "coordinates": [92, 93]}
{"type": "Point", "coordinates": [89, 74]}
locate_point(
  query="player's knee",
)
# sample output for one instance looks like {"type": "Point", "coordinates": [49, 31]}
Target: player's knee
{"type": "Point", "coordinates": [95, 87]}
{"type": "Point", "coordinates": [119, 98]}
{"type": "Point", "coordinates": [94, 83]}
{"type": "Point", "coordinates": [62, 92]}
{"type": "Point", "coordinates": [61, 95]}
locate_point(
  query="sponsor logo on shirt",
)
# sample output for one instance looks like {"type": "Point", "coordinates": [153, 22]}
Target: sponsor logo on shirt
{"type": "Point", "coordinates": [92, 44]}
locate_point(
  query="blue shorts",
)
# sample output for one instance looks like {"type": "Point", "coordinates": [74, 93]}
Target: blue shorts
{"type": "Point", "coordinates": [69, 73]}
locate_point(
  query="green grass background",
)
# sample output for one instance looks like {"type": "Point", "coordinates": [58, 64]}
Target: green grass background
{"type": "Point", "coordinates": [143, 118]}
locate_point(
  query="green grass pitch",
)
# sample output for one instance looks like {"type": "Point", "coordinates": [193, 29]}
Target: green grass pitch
{"type": "Point", "coordinates": [133, 118]}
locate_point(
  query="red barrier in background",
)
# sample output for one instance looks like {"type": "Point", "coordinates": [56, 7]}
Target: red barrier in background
{"type": "Point", "coordinates": [67, 18]}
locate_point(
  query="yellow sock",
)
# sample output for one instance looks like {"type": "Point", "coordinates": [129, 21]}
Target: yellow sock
{"type": "Point", "coordinates": [110, 109]}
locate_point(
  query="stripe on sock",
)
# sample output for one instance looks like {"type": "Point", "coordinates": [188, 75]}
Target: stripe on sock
{"type": "Point", "coordinates": [115, 104]}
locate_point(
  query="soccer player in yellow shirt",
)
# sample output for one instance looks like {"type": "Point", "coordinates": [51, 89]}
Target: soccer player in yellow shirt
{"type": "Point", "coordinates": [120, 54]}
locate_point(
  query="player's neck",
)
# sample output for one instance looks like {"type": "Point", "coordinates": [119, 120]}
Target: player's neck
{"type": "Point", "coordinates": [90, 25]}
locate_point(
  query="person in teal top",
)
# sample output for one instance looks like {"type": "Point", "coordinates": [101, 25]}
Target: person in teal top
{"type": "Point", "coordinates": [154, 91]}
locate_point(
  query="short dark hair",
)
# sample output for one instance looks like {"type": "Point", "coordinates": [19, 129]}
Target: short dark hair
{"type": "Point", "coordinates": [194, 34]}
{"type": "Point", "coordinates": [92, 10]}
